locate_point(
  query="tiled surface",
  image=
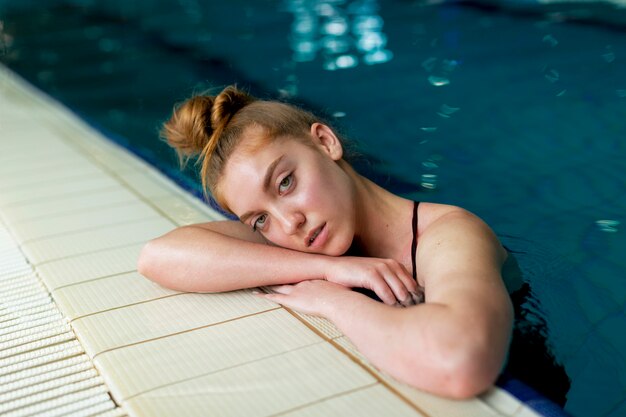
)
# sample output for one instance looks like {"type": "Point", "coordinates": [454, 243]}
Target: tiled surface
{"type": "Point", "coordinates": [184, 355]}
{"type": "Point", "coordinates": [93, 219]}
{"type": "Point", "coordinates": [216, 392]}
{"type": "Point", "coordinates": [43, 368]}
{"type": "Point", "coordinates": [91, 266]}
{"type": "Point", "coordinates": [164, 316]}
{"type": "Point", "coordinates": [370, 401]}
{"type": "Point", "coordinates": [121, 290]}
{"type": "Point", "coordinates": [82, 227]}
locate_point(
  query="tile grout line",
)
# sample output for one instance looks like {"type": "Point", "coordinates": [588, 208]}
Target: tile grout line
{"type": "Point", "coordinates": [92, 252]}
{"type": "Point", "coordinates": [181, 332]}
{"type": "Point", "coordinates": [91, 228]}
{"type": "Point", "coordinates": [117, 274]}
{"type": "Point", "coordinates": [95, 313]}
{"type": "Point", "coordinates": [322, 400]}
{"type": "Point", "coordinates": [238, 365]}
{"type": "Point", "coordinates": [358, 362]}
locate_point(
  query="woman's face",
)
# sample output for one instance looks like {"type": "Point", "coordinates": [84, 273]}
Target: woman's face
{"type": "Point", "coordinates": [297, 196]}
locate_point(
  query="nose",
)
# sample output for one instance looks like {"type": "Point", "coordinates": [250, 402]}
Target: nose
{"type": "Point", "coordinates": [291, 221]}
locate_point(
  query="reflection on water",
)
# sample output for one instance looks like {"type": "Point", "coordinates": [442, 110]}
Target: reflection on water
{"type": "Point", "coordinates": [5, 40]}
{"type": "Point", "coordinates": [343, 33]}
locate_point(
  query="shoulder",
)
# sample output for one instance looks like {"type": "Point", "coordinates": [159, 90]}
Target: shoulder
{"type": "Point", "coordinates": [431, 213]}
{"type": "Point", "coordinates": [454, 240]}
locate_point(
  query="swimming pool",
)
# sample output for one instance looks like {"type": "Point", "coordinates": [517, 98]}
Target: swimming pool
{"type": "Point", "coordinates": [518, 114]}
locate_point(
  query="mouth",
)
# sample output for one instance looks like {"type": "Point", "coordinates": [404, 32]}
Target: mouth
{"type": "Point", "coordinates": [312, 236]}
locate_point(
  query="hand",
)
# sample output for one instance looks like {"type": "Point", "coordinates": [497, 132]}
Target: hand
{"type": "Point", "coordinates": [314, 297]}
{"type": "Point", "coordinates": [386, 277]}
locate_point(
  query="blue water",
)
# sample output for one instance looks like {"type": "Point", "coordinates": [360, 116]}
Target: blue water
{"type": "Point", "coordinates": [517, 113]}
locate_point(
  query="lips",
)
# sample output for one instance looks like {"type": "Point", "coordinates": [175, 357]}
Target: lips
{"type": "Point", "coordinates": [313, 235]}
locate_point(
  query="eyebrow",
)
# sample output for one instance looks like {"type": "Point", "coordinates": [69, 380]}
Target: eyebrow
{"type": "Point", "coordinates": [269, 173]}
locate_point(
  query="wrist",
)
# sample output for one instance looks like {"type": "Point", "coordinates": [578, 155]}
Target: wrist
{"type": "Point", "coordinates": [321, 266]}
{"type": "Point", "coordinates": [341, 304]}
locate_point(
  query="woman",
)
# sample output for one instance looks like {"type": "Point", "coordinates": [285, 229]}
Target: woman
{"type": "Point", "coordinates": [302, 210]}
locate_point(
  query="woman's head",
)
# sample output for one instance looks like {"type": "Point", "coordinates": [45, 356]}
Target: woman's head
{"type": "Point", "coordinates": [273, 165]}
{"type": "Point", "coordinates": [211, 127]}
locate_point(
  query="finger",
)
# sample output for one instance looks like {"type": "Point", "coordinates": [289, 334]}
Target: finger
{"type": "Point", "coordinates": [400, 292]}
{"type": "Point", "coordinates": [406, 278]}
{"type": "Point", "coordinates": [382, 290]}
{"type": "Point", "coordinates": [277, 298]}
{"type": "Point", "coordinates": [417, 297]}
{"type": "Point", "coordinates": [281, 289]}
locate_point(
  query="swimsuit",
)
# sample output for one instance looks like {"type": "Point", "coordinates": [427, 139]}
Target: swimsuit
{"type": "Point", "coordinates": [419, 297]}
{"type": "Point", "coordinates": [414, 243]}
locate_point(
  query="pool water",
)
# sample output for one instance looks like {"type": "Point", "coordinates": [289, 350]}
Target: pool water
{"type": "Point", "coordinates": [515, 111]}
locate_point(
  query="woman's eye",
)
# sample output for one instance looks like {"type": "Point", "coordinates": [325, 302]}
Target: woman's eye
{"type": "Point", "coordinates": [285, 184]}
{"type": "Point", "coordinates": [259, 222]}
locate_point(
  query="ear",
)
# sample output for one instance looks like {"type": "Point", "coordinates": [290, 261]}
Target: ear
{"type": "Point", "coordinates": [324, 137]}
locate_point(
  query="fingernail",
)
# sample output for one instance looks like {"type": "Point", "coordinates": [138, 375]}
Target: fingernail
{"type": "Point", "coordinates": [417, 298]}
{"type": "Point", "coordinates": [255, 292]}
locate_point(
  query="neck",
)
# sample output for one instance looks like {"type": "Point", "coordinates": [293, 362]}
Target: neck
{"type": "Point", "coordinates": [383, 222]}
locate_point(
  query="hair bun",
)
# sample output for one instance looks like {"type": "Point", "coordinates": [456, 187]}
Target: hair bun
{"type": "Point", "coordinates": [200, 121]}
{"type": "Point", "coordinates": [226, 105]}
{"type": "Point", "coordinates": [186, 131]}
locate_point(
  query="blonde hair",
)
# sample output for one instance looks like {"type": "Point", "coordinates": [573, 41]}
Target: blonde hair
{"type": "Point", "coordinates": [210, 127]}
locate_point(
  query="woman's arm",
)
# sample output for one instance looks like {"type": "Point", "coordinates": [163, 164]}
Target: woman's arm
{"type": "Point", "coordinates": [452, 345]}
{"type": "Point", "coordinates": [222, 256]}
{"type": "Point", "coordinates": [225, 256]}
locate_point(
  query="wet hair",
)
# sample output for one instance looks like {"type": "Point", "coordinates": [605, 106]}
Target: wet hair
{"type": "Point", "coordinates": [210, 127]}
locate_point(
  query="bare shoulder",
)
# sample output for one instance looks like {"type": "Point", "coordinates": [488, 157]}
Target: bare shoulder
{"type": "Point", "coordinates": [231, 228]}
{"type": "Point", "coordinates": [430, 213]}
{"type": "Point", "coordinates": [454, 242]}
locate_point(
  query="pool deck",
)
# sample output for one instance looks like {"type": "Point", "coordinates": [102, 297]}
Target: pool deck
{"type": "Point", "coordinates": [75, 209]}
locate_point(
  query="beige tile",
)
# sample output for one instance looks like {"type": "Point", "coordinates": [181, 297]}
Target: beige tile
{"type": "Point", "coordinates": [370, 401]}
{"type": "Point", "coordinates": [66, 204]}
{"type": "Point", "coordinates": [86, 220]}
{"type": "Point", "coordinates": [502, 401]}
{"type": "Point", "coordinates": [43, 193]}
{"type": "Point", "coordinates": [90, 266]}
{"type": "Point", "coordinates": [525, 411]}
{"type": "Point", "coordinates": [145, 185]}
{"type": "Point", "coordinates": [65, 170]}
{"type": "Point", "coordinates": [34, 141]}
{"type": "Point", "coordinates": [441, 407]}
{"type": "Point", "coordinates": [26, 165]}
{"type": "Point", "coordinates": [113, 157]}
{"type": "Point", "coordinates": [162, 317]}
{"type": "Point", "coordinates": [108, 237]}
{"type": "Point", "coordinates": [183, 212]}
{"type": "Point", "coordinates": [258, 388]}
{"type": "Point", "coordinates": [147, 366]}
{"type": "Point", "coordinates": [323, 326]}
{"type": "Point", "coordinates": [13, 158]}
{"type": "Point", "coordinates": [107, 293]}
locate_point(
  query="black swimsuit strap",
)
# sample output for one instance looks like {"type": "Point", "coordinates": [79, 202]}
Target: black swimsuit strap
{"type": "Point", "coordinates": [414, 243]}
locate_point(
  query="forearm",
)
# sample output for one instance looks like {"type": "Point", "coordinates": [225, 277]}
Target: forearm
{"type": "Point", "coordinates": [427, 346]}
{"type": "Point", "coordinates": [200, 260]}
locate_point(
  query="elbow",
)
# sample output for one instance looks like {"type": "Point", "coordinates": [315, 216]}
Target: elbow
{"type": "Point", "coordinates": [146, 263]}
{"type": "Point", "coordinates": [459, 373]}
{"type": "Point", "coordinates": [143, 262]}
{"type": "Point", "coordinates": [472, 372]}
{"type": "Point", "coordinates": [468, 382]}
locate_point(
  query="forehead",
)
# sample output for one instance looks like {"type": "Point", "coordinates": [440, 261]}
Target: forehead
{"type": "Point", "coordinates": [241, 183]}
